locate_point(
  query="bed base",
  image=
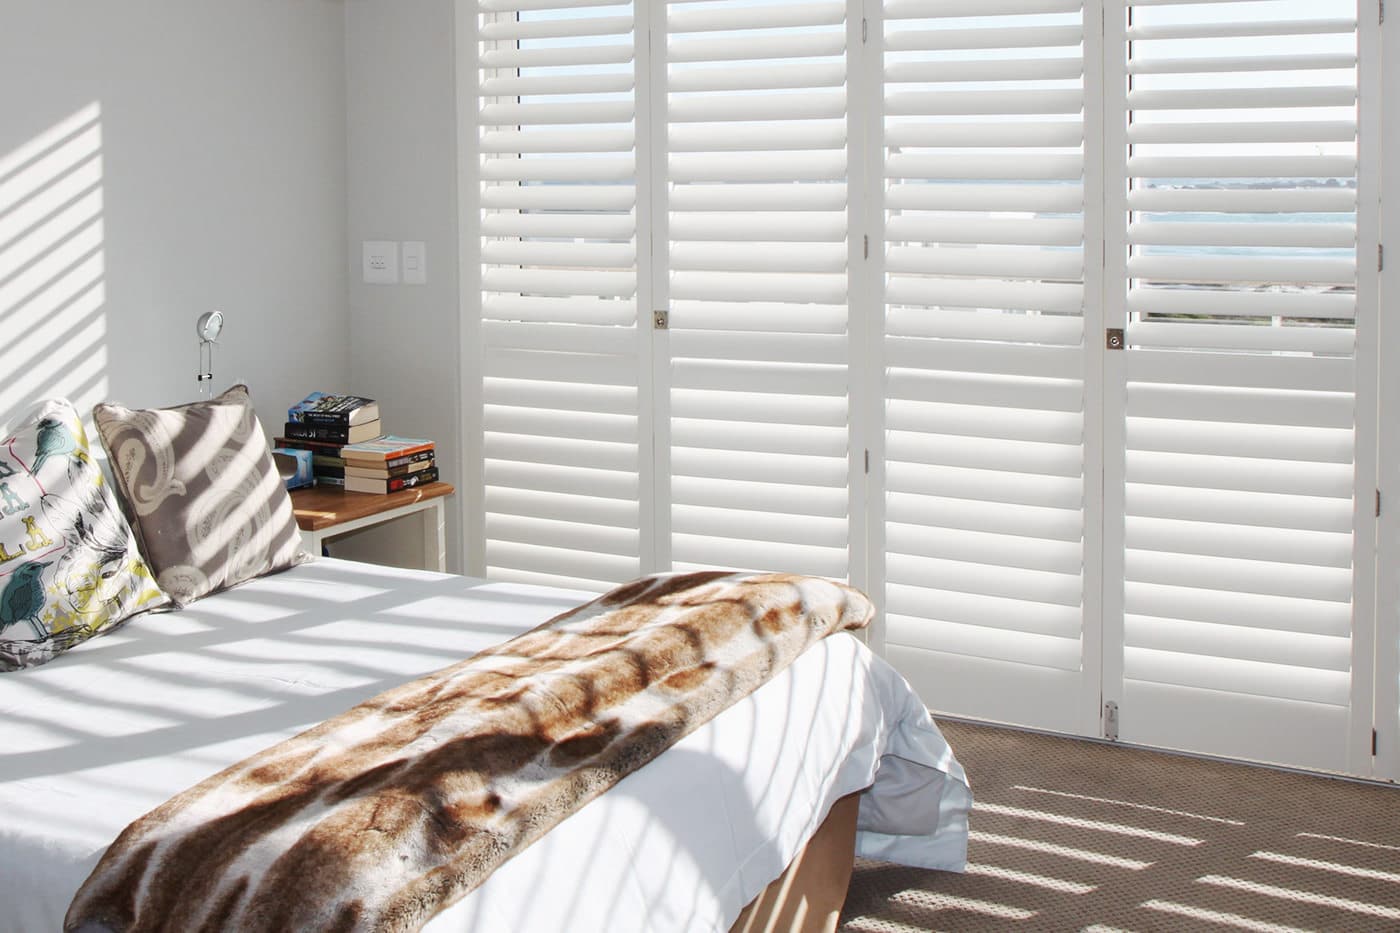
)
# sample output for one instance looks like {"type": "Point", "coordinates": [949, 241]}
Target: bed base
{"type": "Point", "coordinates": [807, 896]}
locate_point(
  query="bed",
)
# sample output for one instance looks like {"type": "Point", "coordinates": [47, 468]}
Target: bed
{"type": "Point", "coordinates": [101, 735]}
{"type": "Point", "coordinates": [184, 641]}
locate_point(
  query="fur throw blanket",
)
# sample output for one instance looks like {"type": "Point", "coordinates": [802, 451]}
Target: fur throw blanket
{"type": "Point", "coordinates": [383, 816]}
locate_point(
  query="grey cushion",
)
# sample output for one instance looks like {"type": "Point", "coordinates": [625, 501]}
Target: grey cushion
{"type": "Point", "coordinates": [202, 493]}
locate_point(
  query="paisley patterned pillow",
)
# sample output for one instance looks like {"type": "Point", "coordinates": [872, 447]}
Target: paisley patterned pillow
{"type": "Point", "coordinates": [202, 492]}
{"type": "Point", "coordinates": [69, 566]}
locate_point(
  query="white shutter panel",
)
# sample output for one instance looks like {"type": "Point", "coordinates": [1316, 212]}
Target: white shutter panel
{"type": "Point", "coordinates": [561, 437]}
{"type": "Point", "coordinates": [985, 359]}
{"type": "Point", "coordinates": [757, 159]}
{"type": "Point", "coordinates": [1237, 562]}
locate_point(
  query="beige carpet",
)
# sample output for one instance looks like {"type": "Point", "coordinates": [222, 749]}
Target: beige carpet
{"type": "Point", "coordinates": [1070, 835]}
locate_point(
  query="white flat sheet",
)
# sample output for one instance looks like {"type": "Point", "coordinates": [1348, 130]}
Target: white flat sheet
{"type": "Point", "coordinates": [99, 737]}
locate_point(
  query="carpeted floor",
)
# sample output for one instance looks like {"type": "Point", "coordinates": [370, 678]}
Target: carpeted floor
{"type": "Point", "coordinates": [1070, 835]}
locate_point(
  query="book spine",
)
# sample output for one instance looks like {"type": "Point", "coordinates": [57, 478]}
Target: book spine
{"type": "Point", "coordinates": [421, 478]}
{"type": "Point", "coordinates": [328, 472]}
{"type": "Point", "coordinates": [379, 461]}
{"type": "Point", "coordinates": [393, 484]}
{"type": "Point", "coordinates": [320, 448]}
{"type": "Point", "coordinates": [408, 468]}
{"type": "Point", "coordinates": [330, 480]}
{"type": "Point", "coordinates": [320, 408]}
{"type": "Point", "coordinates": [376, 472]}
{"type": "Point", "coordinates": [317, 432]}
{"type": "Point", "coordinates": [405, 461]}
{"type": "Point", "coordinates": [332, 418]}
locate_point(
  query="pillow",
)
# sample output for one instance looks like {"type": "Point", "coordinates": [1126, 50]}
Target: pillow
{"type": "Point", "coordinates": [202, 492]}
{"type": "Point", "coordinates": [69, 566]}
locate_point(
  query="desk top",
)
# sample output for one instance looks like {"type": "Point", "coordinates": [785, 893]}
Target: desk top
{"type": "Point", "coordinates": [321, 507]}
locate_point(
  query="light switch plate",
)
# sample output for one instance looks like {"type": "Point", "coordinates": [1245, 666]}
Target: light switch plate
{"type": "Point", "coordinates": [381, 262]}
{"type": "Point", "coordinates": [415, 262]}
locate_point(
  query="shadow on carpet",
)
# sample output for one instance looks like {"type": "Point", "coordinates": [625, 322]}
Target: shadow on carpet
{"type": "Point", "coordinates": [1072, 835]}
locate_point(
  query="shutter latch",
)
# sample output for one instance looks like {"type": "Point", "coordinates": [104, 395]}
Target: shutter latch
{"type": "Point", "coordinates": [1114, 338]}
{"type": "Point", "coordinates": [1110, 721]}
{"type": "Point", "coordinates": [660, 320]}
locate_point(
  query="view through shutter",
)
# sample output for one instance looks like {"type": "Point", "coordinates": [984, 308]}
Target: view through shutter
{"type": "Point", "coordinates": [757, 252]}
{"type": "Point", "coordinates": [1240, 369]}
{"type": "Point", "coordinates": [562, 437]}
{"type": "Point", "coordinates": [985, 359]}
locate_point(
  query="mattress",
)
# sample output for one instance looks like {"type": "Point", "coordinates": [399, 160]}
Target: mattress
{"type": "Point", "coordinates": [100, 736]}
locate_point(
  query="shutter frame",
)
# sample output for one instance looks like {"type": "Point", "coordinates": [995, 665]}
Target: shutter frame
{"type": "Point", "coordinates": [562, 434]}
{"type": "Point", "coordinates": [756, 370]}
{"type": "Point", "coordinates": [1240, 379]}
{"type": "Point", "coordinates": [987, 386]}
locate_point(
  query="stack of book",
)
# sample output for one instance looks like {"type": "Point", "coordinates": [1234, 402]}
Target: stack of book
{"type": "Point", "coordinates": [335, 419]}
{"type": "Point", "coordinates": [324, 423]}
{"type": "Point", "coordinates": [348, 448]}
{"type": "Point", "coordinates": [388, 464]}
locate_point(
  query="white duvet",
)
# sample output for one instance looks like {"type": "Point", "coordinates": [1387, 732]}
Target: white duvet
{"type": "Point", "coordinates": [95, 739]}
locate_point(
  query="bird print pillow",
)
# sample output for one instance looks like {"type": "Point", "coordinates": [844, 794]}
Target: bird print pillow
{"type": "Point", "coordinates": [69, 565]}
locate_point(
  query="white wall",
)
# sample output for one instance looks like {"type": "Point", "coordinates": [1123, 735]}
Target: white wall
{"type": "Point", "coordinates": [162, 158]}
{"type": "Point", "coordinates": [405, 339]}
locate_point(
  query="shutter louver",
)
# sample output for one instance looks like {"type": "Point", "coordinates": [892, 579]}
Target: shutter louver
{"type": "Point", "coordinates": [1051, 517]}
{"type": "Point", "coordinates": [1240, 373]}
{"type": "Point", "coordinates": [984, 351]}
{"type": "Point", "coordinates": [756, 166]}
{"type": "Point", "coordinates": [561, 437]}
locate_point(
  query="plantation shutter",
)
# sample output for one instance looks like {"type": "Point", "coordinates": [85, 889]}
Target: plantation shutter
{"type": "Point", "coordinates": [757, 252]}
{"type": "Point", "coordinates": [1240, 368]}
{"type": "Point", "coordinates": [562, 438]}
{"type": "Point", "coordinates": [985, 360]}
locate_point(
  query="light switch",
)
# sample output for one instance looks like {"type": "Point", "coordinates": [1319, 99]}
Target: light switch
{"type": "Point", "coordinates": [415, 262]}
{"type": "Point", "coordinates": [381, 262]}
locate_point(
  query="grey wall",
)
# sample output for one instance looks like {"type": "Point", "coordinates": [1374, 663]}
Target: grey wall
{"type": "Point", "coordinates": [163, 158]}
{"type": "Point", "coordinates": [405, 347]}
{"type": "Point", "coordinates": [199, 164]}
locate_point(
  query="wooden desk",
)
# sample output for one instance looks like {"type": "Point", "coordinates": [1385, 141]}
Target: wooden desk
{"type": "Point", "coordinates": [323, 512]}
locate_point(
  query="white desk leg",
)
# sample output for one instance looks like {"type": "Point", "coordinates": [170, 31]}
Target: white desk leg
{"type": "Point", "coordinates": [435, 536]}
{"type": "Point", "coordinates": [311, 542]}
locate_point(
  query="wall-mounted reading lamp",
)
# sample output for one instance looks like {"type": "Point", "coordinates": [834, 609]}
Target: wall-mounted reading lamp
{"type": "Point", "coordinates": [207, 327]}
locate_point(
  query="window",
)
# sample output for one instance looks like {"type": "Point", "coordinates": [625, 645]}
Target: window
{"type": "Point", "coordinates": [888, 241]}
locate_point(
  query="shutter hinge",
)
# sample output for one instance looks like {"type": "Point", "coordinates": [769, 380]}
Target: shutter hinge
{"type": "Point", "coordinates": [1380, 257]}
{"type": "Point", "coordinates": [1380, 15]}
{"type": "Point", "coordinates": [660, 320]}
{"type": "Point", "coordinates": [866, 238]}
{"type": "Point", "coordinates": [864, 29]}
{"type": "Point", "coordinates": [1110, 721]}
{"type": "Point", "coordinates": [1113, 338]}
{"type": "Point", "coordinates": [867, 459]}
{"type": "Point", "coordinates": [1378, 503]}
{"type": "Point", "coordinates": [1374, 746]}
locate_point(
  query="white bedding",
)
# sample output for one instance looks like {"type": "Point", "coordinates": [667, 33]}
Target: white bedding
{"type": "Point", "coordinates": [95, 739]}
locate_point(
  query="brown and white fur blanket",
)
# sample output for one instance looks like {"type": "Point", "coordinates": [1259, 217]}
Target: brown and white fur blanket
{"type": "Point", "coordinates": [383, 816]}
